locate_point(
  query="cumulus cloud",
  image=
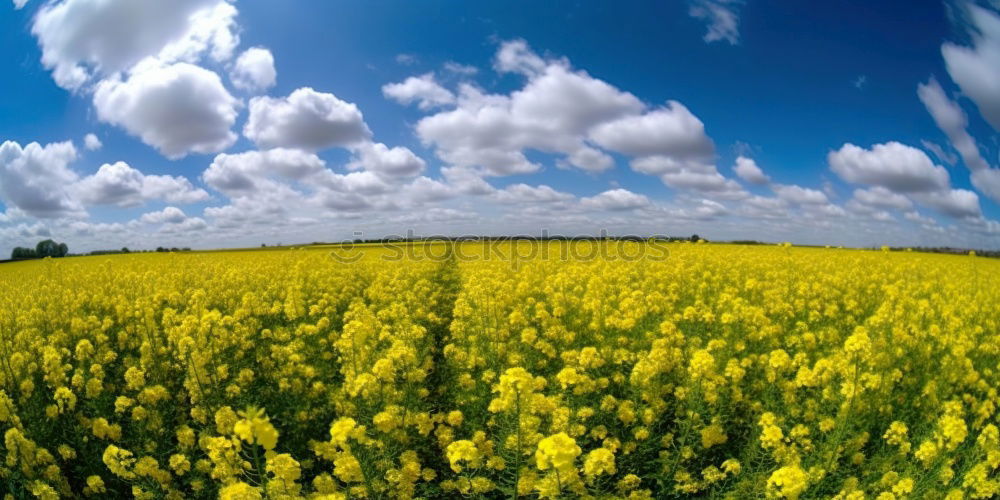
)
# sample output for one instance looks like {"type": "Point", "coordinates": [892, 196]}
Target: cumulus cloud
{"type": "Point", "coordinates": [705, 209]}
{"type": "Point", "coordinates": [976, 69]}
{"type": "Point", "coordinates": [551, 113]}
{"type": "Point", "coordinates": [570, 114]}
{"type": "Point", "coordinates": [388, 162]}
{"type": "Point", "coordinates": [38, 182]}
{"type": "Point", "coordinates": [306, 119]}
{"type": "Point", "coordinates": [515, 56]}
{"type": "Point", "coordinates": [914, 216]}
{"type": "Point", "coordinates": [904, 170]}
{"type": "Point", "coordinates": [173, 220]}
{"type": "Point", "coordinates": [748, 170]}
{"type": "Point", "coordinates": [34, 179]}
{"type": "Point", "coordinates": [91, 142]}
{"type": "Point", "coordinates": [615, 199]}
{"type": "Point", "coordinates": [172, 215]}
{"type": "Point", "coordinates": [81, 39]}
{"type": "Point", "coordinates": [721, 18]}
{"type": "Point", "coordinates": [764, 207]}
{"type": "Point", "coordinates": [892, 165]}
{"type": "Point", "coordinates": [423, 90]}
{"type": "Point", "coordinates": [671, 132]}
{"type": "Point", "coordinates": [952, 120]}
{"type": "Point", "coordinates": [881, 197]}
{"type": "Point", "coordinates": [121, 185]}
{"type": "Point", "coordinates": [424, 189]}
{"type": "Point", "coordinates": [254, 70]}
{"type": "Point", "coordinates": [363, 183]}
{"type": "Point", "coordinates": [249, 172]}
{"type": "Point", "coordinates": [467, 181]}
{"type": "Point", "coordinates": [956, 203]}
{"type": "Point", "coordinates": [271, 186]}
{"type": "Point", "coordinates": [523, 193]}
{"type": "Point", "coordinates": [706, 182]}
{"type": "Point", "coordinates": [177, 109]}
{"type": "Point", "coordinates": [799, 195]}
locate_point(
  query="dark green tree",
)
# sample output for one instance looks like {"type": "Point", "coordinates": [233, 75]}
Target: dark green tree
{"type": "Point", "coordinates": [23, 253]}
{"type": "Point", "coordinates": [47, 248]}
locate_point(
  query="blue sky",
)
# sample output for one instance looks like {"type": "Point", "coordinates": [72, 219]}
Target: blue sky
{"type": "Point", "coordinates": [235, 123]}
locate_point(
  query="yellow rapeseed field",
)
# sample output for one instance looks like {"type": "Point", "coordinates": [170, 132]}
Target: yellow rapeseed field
{"type": "Point", "coordinates": [718, 371]}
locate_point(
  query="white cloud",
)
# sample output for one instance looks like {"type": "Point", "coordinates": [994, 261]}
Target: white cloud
{"type": "Point", "coordinates": [33, 179]}
{"type": "Point", "coordinates": [939, 152]}
{"type": "Point", "coordinates": [91, 142]}
{"type": "Point", "coordinates": [987, 181]}
{"type": "Point", "coordinates": [515, 56]}
{"type": "Point", "coordinates": [467, 181]}
{"type": "Point", "coordinates": [173, 220]}
{"type": "Point", "coordinates": [388, 163]}
{"type": "Point", "coordinates": [254, 70]}
{"type": "Point", "coordinates": [799, 195]}
{"type": "Point", "coordinates": [424, 189]}
{"type": "Point", "coordinates": [976, 69]}
{"type": "Point", "coordinates": [950, 118]}
{"type": "Point", "coordinates": [306, 119]}
{"type": "Point", "coordinates": [615, 199]}
{"type": "Point", "coordinates": [721, 18]}
{"type": "Point", "coordinates": [881, 197]}
{"type": "Point", "coordinates": [706, 182]}
{"type": "Point", "coordinates": [187, 225]}
{"type": "Point", "coordinates": [36, 181]}
{"type": "Point", "coordinates": [121, 185]}
{"type": "Point", "coordinates": [904, 170]}
{"type": "Point", "coordinates": [915, 216]}
{"type": "Point", "coordinates": [19, 4]}
{"type": "Point", "coordinates": [707, 209]}
{"type": "Point", "coordinates": [956, 203]}
{"type": "Point", "coordinates": [671, 132]}
{"type": "Point", "coordinates": [406, 59]}
{"type": "Point", "coordinates": [764, 207]}
{"type": "Point", "coordinates": [423, 90]}
{"type": "Point", "coordinates": [748, 170]}
{"type": "Point", "coordinates": [568, 113]}
{"type": "Point", "coordinates": [551, 113]}
{"type": "Point", "coordinates": [178, 109]}
{"type": "Point", "coordinates": [460, 69]}
{"type": "Point", "coordinates": [249, 172]}
{"type": "Point", "coordinates": [523, 193]}
{"type": "Point", "coordinates": [365, 183]}
{"type": "Point", "coordinates": [892, 165]}
{"type": "Point", "coordinates": [81, 39]}
{"type": "Point", "coordinates": [171, 215]}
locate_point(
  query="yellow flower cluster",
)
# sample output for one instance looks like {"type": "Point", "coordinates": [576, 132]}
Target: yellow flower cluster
{"type": "Point", "coordinates": [722, 371]}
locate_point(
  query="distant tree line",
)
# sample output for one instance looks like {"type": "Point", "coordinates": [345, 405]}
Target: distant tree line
{"type": "Point", "coordinates": [957, 251]}
{"type": "Point", "coordinates": [127, 250]}
{"type": "Point", "coordinates": [49, 248]}
{"type": "Point", "coordinates": [472, 238]}
{"type": "Point", "coordinates": [44, 248]}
